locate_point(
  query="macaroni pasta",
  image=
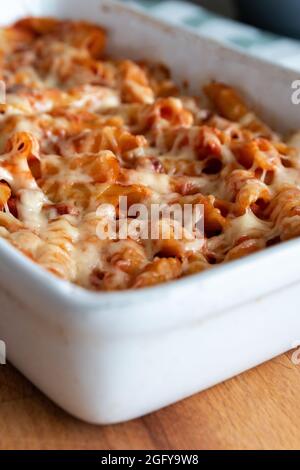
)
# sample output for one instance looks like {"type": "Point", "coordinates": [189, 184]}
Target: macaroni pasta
{"type": "Point", "coordinates": [79, 129]}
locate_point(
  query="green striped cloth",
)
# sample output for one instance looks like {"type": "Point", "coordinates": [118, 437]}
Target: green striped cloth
{"type": "Point", "coordinates": [259, 43]}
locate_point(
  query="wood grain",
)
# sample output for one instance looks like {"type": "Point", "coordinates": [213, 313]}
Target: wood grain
{"type": "Point", "coordinates": [257, 410]}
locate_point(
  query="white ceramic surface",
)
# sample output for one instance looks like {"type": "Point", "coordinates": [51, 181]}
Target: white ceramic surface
{"type": "Point", "coordinates": [107, 358]}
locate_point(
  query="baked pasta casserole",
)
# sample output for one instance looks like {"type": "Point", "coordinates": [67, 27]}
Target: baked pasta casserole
{"type": "Point", "coordinates": [79, 130]}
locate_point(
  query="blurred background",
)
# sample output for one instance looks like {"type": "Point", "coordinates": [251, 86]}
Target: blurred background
{"type": "Point", "coordinates": [223, 7]}
{"type": "Point", "coordinates": [269, 29]}
{"type": "Point", "coordinates": [278, 16]}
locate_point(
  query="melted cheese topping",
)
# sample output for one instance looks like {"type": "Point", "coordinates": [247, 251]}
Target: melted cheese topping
{"type": "Point", "coordinates": [79, 131]}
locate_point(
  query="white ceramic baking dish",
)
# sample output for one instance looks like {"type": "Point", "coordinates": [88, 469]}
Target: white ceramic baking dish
{"type": "Point", "coordinates": [107, 358]}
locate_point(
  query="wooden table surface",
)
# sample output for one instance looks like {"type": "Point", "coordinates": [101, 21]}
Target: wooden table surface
{"type": "Point", "coordinates": [257, 410]}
